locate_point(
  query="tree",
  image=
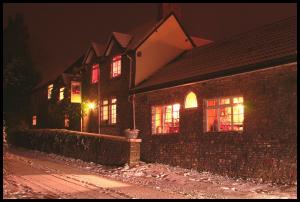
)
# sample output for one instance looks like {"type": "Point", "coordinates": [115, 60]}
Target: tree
{"type": "Point", "coordinates": [19, 75]}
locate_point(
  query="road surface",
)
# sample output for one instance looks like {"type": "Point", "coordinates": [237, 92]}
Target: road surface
{"type": "Point", "coordinates": [57, 180]}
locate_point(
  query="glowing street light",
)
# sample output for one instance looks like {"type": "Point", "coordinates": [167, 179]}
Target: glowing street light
{"type": "Point", "coordinates": [91, 105]}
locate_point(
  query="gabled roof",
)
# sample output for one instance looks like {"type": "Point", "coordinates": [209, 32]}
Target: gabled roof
{"type": "Point", "coordinates": [55, 75]}
{"type": "Point", "coordinates": [133, 38]}
{"type": "Point", "coordinates": [268, 43]}
{"type": "Point", "coordinates": [122, 39]}
{"type": "Point", "coordinates": [96, 47]}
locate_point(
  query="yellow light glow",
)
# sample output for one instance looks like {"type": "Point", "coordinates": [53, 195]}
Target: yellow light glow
{"type": "Point", "coordinates": [191, 101]}
{"type": "Point", "coordinates": [91, 105]}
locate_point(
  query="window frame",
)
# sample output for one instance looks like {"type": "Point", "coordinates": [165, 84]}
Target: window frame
{"type": "Point", "coordinates": [34, 124]}
{"type": "Point", "coordinates": [96, 67]}
{"type": "Point", "coordinates": [218, 106]}
{"type": "Point", "coordinates": [165, 105]}
{"type": "Point", "coordinates": [49, 88]}
{"type": "Point", "coordinates": [101, 111]}
{"type": "Point", "coordinates": [190, 108]}
{"type": "Point", "coordinates": [119, 58]}
{"type": "Point", "coordinates": [110, 110]}
{"type": "Point", "coordinates": [61, 92]}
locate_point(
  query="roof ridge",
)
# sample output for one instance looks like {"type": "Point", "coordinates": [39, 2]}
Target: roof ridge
{"type": "Point", "coordinates": [235, 36]}
{"type": "Point", "coordinates": [252, 30]}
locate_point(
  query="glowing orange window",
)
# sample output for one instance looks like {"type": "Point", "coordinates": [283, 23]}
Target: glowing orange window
{"type": "Point", "coordinates": [116, 66]}
{"type": "Point", "coordinates": [95, 73]}
{"type": "Point", "coordinates": [165, 119]}
{"type": "Point", "coordinates": [34, 120]}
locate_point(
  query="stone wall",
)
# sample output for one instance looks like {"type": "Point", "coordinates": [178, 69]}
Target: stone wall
{"type": "Point", "coordinates": [98, 148]}
{"type": "Point", "coordinates": [265, 149]}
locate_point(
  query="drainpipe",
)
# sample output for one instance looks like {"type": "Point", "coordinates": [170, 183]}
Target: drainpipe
{"type": "Point", "coordinates": [98, 99]}
{"type": "Point", "coordinates": [133, 96]}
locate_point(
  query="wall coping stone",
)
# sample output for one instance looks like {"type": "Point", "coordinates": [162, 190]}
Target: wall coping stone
{"type": "Point", "coordinates": [104, 136]}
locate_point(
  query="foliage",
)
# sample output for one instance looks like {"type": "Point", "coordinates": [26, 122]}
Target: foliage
{"type": "Point", "coordinates": [74, 144]}
{"type": "Point", "coordinates": [19, 75]}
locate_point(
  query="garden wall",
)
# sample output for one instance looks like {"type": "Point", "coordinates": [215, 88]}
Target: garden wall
{"type": "Point", "coordinates": [98, 148]}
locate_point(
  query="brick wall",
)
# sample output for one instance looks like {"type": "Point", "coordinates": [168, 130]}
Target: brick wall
{"type": "Point", "coordinates": [267, 147]}
{"type": "Point", "coordinates": [109, 87]}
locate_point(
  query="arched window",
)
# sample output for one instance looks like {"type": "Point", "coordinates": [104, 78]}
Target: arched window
{"type": "Point", "coordinates": [190, 101]}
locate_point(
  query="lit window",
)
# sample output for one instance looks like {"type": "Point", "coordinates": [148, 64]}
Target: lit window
{"type": "Point", "coordinates": [191, 101]}
{"type": "Point", "coordinates": [50, 88]}
{"type": "Point", "coordinates": [116, 66]}
{"type": "Point", "coordinates": [61, 93]}
{"type": "Point", "coordinates": [165, 119]}
{"type": "Point", "coordinates": [224, 114]}
{"type": "Point", "coordinates": [34, 120]}
{"type": "Point", "coordinates": [104, 110]}
{"type": "Point", "coordinates": [95, 73]}
{"type": "Point", "coordinates": [67, 121]}
{"type": "Point", "coordinates": [113, 111]}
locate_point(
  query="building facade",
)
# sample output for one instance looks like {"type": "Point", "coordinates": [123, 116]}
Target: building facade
{"type": "Point", "coordinates": [227, 107]}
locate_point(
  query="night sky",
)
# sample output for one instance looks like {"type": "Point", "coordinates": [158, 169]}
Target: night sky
{"type": "Point", "coordinates": [60, 33]}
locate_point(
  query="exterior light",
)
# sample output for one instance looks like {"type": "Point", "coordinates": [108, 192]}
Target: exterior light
{"type": "Point", "coordinates": [91, 105]}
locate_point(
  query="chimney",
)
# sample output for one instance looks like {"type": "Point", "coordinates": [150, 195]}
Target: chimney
{"type": "Point", "coordinates": [164, 9]}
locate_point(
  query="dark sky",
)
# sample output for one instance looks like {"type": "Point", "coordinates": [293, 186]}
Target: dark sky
{"type": "Point", "coordinates": [60, 33]}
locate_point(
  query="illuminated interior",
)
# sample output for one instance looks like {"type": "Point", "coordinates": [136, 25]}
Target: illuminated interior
{"type": "Point", "coordinates": [225, 114]}
{"type": "Point", "coordinates": [113, 111]}
{"type": "Point", "coordinates": [34, 120]}
{"type": "Point", "coordinates": [190, 101]}
{"type": "Point", "coordinates": [104, 110]}
{"type": "Point", "coordinates": [116, 66]}
{"type": "Point", "coordinates": [95, 73]}
{"type": "Point", "coordinates": [50, 88]}
{"type": "Point", "coordinates": [61, 93]}
{"type": "Point", "coordinates": [75, 92]}
{"type": "Point", "coordinates": [165, 119]}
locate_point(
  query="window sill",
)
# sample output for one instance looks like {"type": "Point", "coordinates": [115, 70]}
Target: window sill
{"type": "Point", "coordinates": [165, 134]}
{"type": "Point", "coordinates": [115, 78]}
{"type": "Point", "coordinates": [225, 132]}
{"type": "Point", "coordinates": [107, 125]}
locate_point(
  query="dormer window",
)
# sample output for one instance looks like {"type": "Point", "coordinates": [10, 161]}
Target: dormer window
{"type": "Point", "coordinates": [95, 73]}
{"type": "Point", "coordinates": [61, 93]}
{"type": "Point", "coordinates": [50, 88]}
{"type": "Point", "coordinates": [116, 66]}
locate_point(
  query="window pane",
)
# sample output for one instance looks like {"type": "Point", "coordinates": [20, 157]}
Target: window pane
{"type": "Point", "coordinates": [238, 117]}
{"type": "Point", "coordinates": [158, 120]}
{"type": "Point", "coordinates": [224, 101]}
{"type": "Point", "coordinates": [105, 102]}
{"type": "Point", "coordinates": [61, 93]}
{"type": "Point", "coordinates": [165, 119]}
{"type": "Point", "coordinates": [95, 73]}
{"type": "Point", "coordinates": [211, 103]}
{"type": "Point", "coordinates": [191, 100]}
{"type": "Point", "coordinates": [113, 116]}
{"type": "Point", "coordinates": [116, 66]}
{"type": "Point", "coordinates": [212, 119]}
{"type": "Point", "coordinates": [225, 118]}
{"type": "Point", "coordinates": [50, 87]}
{"type": "Point", "coordinates": [237, 100]}
{"type": "Point", "coordinates": [34, 120]}
{"type": "Point", "coordinates": [105, 113]}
